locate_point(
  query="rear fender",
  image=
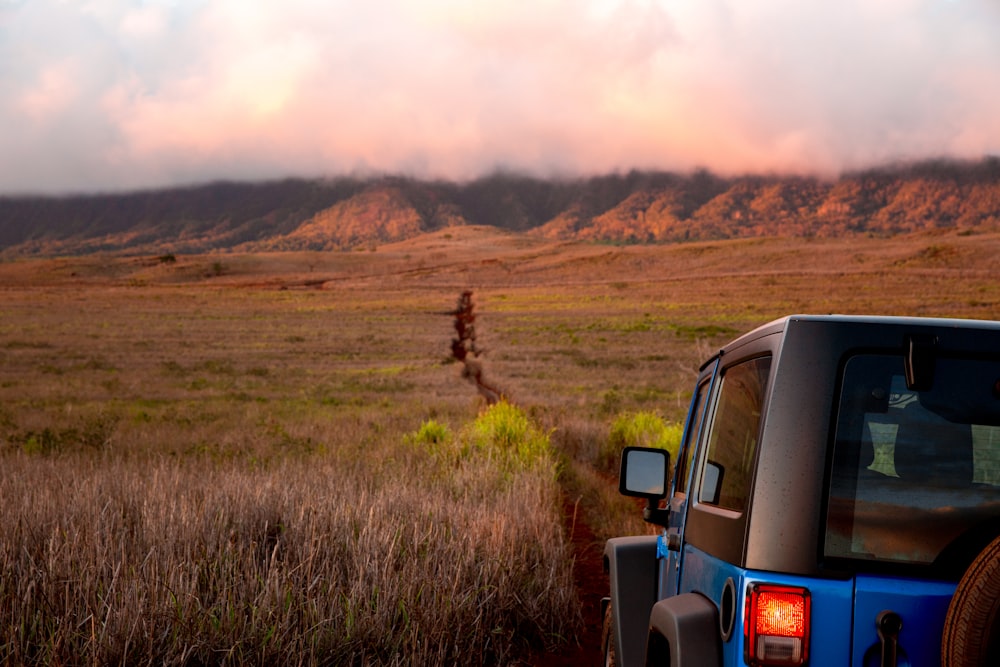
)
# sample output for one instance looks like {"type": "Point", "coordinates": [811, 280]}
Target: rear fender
{"type": "Point", "coordinates": [632, 569]}
{"type": "Point", "coordinates": [684, 630]}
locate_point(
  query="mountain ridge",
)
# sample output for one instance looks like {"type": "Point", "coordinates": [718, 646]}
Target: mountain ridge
{"type": "Point", "coordinates": [635, 207]}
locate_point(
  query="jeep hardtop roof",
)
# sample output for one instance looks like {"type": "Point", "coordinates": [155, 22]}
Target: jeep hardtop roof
{"type": "Point", "coordinates": [819, 360]}
{"type": "Point", "coordinates": [783, 323]}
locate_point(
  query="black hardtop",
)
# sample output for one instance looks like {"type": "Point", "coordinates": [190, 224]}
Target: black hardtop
{"type": "Point", "coordinates": [780, 530]}
{"type": "Point", "coordinates": [868, 324]}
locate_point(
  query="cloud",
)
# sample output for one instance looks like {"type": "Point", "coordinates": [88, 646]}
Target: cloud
{"type": "Point", "coordinates": [120, 94]}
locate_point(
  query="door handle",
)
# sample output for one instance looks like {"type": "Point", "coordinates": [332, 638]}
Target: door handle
{"type": "Point", "coordinates": [888, 624]}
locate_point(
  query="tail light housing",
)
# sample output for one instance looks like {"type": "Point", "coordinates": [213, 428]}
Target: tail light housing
{"type": "Point", "coordinates": [776, 625]}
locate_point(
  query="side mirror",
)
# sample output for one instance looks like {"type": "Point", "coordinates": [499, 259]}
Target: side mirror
{"type": "Point", "coordinates": [644, 472]}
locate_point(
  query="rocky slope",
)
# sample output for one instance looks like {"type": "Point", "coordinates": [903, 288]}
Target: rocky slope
{"type": "Point", "coordinates": [637, 207]}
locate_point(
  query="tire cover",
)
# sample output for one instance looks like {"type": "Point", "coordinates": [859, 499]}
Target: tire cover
{"type": "Point", "coordinates": [971, 635]}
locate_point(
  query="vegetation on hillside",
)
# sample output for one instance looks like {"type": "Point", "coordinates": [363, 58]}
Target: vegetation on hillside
{"type": "Point", "coordinates": [636, 207]}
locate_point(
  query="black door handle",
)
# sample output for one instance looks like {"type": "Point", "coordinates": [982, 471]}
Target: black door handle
{"type": "Point", "coordinates": [888, 623]}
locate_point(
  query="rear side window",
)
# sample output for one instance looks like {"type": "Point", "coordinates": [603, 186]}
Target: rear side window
{"type": "Point", "coordinates": [733, 434]}
{"type": "Point", "coordinates": [916, 474]}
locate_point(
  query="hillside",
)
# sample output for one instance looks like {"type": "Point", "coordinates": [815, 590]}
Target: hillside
{"type": "Point", "coordinates": [637, 207]}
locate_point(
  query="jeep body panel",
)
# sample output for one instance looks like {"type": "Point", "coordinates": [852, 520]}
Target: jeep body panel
{"type": "Point", "coordinates": [920, 604]}
{"type": "Point", "coordinates": [831, 610]}
{"type": "Point", "coordinates": [631, 563]}
{"type": "Point", "coordinates": [682, 631]}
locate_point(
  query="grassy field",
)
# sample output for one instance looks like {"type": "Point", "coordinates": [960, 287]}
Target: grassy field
{"type": "Point", "coordinates": [240, 458]}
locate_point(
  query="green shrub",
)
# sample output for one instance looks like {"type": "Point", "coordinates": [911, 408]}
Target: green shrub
{"type": "Point", "coordinates": [639, 429]}
{"type": "Point", "coordinates": [432, 433]}
{"type": "Point", "coordinates": [504, 433]}
{"type": "Point", "coordinates": [433, 437]}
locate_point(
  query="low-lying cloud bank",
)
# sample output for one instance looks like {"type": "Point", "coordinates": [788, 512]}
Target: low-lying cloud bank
{"type": "Point", "coordinates": [123, 95]}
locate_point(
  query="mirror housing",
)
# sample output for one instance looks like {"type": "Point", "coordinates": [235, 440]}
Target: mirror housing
{"type": "Point", "coordinates": [644, 472]}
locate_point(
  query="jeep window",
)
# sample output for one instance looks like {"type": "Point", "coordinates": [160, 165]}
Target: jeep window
{"type": "Point", "coordinates": [916, 474]}
{"type": "Point", "coordinates": [693, 430]}
{"type": "Point", "coordinates": [733, 435]}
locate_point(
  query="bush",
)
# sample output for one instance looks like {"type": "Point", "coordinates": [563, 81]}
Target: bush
{"type": "Point", "coordinates": [432, 436]}
{"type": "Point", "coordinates": [639, 429]}
{"type": "Point", "coordinates": [504, 433]}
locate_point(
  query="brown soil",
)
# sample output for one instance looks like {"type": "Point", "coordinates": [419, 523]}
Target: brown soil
{"type": "Point", "coordinates": [591, 586]}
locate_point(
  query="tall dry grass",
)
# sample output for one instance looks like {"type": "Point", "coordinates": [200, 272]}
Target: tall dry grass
{"type": "Point", "coordinates": [443, 554]}
{"type": "Point", "coordinates": [203, 469]}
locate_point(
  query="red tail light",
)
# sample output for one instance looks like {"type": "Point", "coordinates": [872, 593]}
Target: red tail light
{"type": "Point", "coordinates": [776, 625]}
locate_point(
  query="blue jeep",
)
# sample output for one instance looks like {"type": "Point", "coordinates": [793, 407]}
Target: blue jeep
{"type": "Point", "coordinates": [835, 501]}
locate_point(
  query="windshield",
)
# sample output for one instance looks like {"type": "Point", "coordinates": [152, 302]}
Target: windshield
{"type": "Point", "coordinates": [916, 474]}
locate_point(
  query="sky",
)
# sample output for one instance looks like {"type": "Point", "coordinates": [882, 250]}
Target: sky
{"type": "Point", "coordinates": [118, 95]}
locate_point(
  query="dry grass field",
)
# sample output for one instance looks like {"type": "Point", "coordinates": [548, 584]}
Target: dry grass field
{"type": "Point", "coordinates": [246, 459]}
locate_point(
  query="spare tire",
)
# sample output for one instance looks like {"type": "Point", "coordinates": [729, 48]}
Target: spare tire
{"type": "Point", "coordinates": [971, 635]}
